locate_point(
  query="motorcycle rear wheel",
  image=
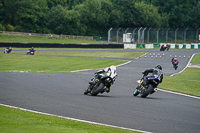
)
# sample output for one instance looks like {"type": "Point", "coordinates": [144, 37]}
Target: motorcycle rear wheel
{"type": "Point", "coordinates": [146, 93]}
{"type": "Point", "coordinates": [96, 91]}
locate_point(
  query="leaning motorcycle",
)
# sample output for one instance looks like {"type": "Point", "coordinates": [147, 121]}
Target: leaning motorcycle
{"type": "Point", "coordinates": [99, 85]}
{"type": "Point", "coordinates": [7, 50]}
{"type": "Point", "coordinates": [148, 88]}
{"type": "Point", "coordinates": [30, 52]}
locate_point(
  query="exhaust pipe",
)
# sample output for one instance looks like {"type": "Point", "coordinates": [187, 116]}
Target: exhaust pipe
{"type": "Point", "coordinates": [155, 89]}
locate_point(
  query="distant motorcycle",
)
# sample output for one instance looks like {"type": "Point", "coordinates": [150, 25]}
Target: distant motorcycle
{"type": "Point", "coordinates": [175, 65]}
{"type": "Point", "coordinates": [149, 88]}
{"type": "Point", "coordinates": [100, 85]}
{"type": "Point", "coordinates": [29, 52]}
{"type": "Point", "coordinates": [7, 50]}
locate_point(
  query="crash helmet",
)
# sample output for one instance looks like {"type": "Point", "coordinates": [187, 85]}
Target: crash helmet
{"type": "Point", "coordinates": [113, 68]}
{"type": "Point", "coordinates": [175, 63]}
{"type": "Point", "coordinates": [158, 66]}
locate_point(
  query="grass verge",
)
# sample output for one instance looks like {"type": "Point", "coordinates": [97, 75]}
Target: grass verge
{"type": "Point", "coordinates": [17, 121]}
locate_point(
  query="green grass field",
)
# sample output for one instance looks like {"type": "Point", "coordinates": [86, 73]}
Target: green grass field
{"type": "Point", "coordinates": [18, 121]}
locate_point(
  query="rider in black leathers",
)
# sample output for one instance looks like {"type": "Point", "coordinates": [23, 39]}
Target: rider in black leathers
{"type": "Point", "coordinates": [155, 72]}
{"type": "Point", "coordinates": [32, 49]}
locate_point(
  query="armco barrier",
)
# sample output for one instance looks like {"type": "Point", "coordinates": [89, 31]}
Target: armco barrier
{"type": "Point", "coordinates": [58, 45]}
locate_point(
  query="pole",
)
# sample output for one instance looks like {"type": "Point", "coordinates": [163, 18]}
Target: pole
{"type": "Point", "coordinates": [157, 34]}
{"type": "Point", "coordinates": [185, 34]}
{"type": "Point", "coordinates": [134, 34]}
{"type": "Point", "coordinates": [139, 35]}
{"type": "Point", "coordinates": [143, 35]}
{"type": "Point", "coordinates": [175, 34]}
{"type": "Point", "coordinates": [109, 35]}
{"type": "Point", "coordinates": [117, 34]}
{"type": "Point", "coordinates": [167, 34]}
{"type": "Point", "coordinates": [148, 35]}
{"type": "Point", "coordinates": [197, 34]}
{"type": "Point", "coordinates": [126, 34]}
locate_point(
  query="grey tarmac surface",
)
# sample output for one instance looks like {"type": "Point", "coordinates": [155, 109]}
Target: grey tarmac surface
{"type": "Point", "coordinates": [62, 94]}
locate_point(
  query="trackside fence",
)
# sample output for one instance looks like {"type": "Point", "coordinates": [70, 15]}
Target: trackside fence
{"type": "Point", "coordinates": [153, 35]}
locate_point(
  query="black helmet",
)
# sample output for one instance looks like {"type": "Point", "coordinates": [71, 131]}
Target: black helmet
{"type": "Point", "coordinates": [159, 67]}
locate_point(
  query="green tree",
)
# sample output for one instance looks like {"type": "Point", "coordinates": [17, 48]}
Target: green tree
{"type": "Point", "coordinates": [195, 16]}
{"type": "Point", "coordinates": [130, 15]}
{"type": "Point", "coordinates": [149, 15]}
{"type": "Point", "coordinates": [31, 14]}
{"type": "Point", "coordinates": [62, 21]}
{"type": "Point", "coordinates": [179, 11]}
{"type": "Point", "coordinates": [94, 16]}
{"type": "Point", "coordinates": [53, 3]}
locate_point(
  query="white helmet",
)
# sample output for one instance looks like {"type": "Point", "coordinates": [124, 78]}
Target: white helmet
{"type": "Point", "coordinates": [113, 68]}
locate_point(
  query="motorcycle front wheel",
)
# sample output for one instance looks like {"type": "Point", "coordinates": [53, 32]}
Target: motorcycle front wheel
{"type": "Point", "coordinates": [98, 89]}
{"type": "Point", "coordinates": [146, 93]}
{"type": "Point", "coordinates": [136, 92]}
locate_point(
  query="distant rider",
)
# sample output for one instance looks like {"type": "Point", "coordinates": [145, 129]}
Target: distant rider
{"type": "Point", "coordinates": [154, 72]}
{"type": "Point", "coordinates": [8, 50]}
{"type": "Point", "coordinates": [32, 49]}
{"type": "Point", "coordinates": [175, 62]}
{"type": "Point", "coordinates": [109, 71]}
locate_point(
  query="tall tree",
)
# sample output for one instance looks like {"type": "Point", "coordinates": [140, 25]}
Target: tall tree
{"type": "Point", "coordinates": [149, 16]}
{"type": "Point", "coordinates": [94, 16]}
{"type": "Point", "coordinates": [31, 14]}
{"type": "Point", "coordinates": [179, 11]}
{"type": "Point", "coordinates": [62, 21]}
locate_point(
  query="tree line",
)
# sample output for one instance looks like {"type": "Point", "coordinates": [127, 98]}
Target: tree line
{"type": "Point", "coordinates": [96, 17]}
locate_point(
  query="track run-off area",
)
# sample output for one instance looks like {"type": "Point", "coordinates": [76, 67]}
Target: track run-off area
{"type": "Point", "coordinates": [62, 95]}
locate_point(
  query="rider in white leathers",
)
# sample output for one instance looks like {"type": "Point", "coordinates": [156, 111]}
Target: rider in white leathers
{"type": "Point", "coordinates": [109, 71]}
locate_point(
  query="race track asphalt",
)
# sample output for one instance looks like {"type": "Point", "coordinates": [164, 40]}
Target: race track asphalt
{"type": "Point", "coordinates": [62, 94]}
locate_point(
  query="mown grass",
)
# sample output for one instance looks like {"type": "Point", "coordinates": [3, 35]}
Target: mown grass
{"type": "Point", "coordinates": [196, 59]}
{"type": "Point", "coordinates": [21, 39]}
{"type": "Point", "coordinates": [118, 55]}
{"type": "Point", "coordinates": [12, 62]}
{"type": "Point", "coordinates": [18, 121]}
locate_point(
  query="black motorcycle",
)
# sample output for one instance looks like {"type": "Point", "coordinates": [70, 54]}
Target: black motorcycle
{"type": "Point", "coordinates": [148, 88]}
{"type": "Point", "coordinates": [99, 85]}
{"type": "Point", "coordinates": [7, 50]}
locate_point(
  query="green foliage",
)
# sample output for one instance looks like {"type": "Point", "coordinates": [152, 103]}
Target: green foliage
{"type": "Point", "coordinates": [31, 15]}
{"type": "Point", "coordinates": [2, 28]}
{"type": "Point", "coordinates": [9, 27]}
{"type": "Point", "coordinates": [149, 15]}
{"type": "Point", "coordinates": [96, 17]}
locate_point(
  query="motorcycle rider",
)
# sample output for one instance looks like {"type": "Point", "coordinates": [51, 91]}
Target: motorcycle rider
{"type": "Point", "coordinates": [109, 71]}
{"type": "Point", "coordinates": [154, 72]}
{"type": "Point", "coordinates": [8, 50]}
{"type": "Point", "coordinates": [174, 62]}
{"type": "Point", "coordinates": [32, 49]}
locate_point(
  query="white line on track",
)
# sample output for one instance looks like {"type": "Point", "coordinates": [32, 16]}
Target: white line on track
{"type": "Point", "coordinates": [74, 119]}
{"type": "Point", "coordinates": [179, 94]}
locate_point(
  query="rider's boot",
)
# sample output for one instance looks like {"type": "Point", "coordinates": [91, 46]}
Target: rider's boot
{"type": "Point", "coordinates": [107, 89]}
